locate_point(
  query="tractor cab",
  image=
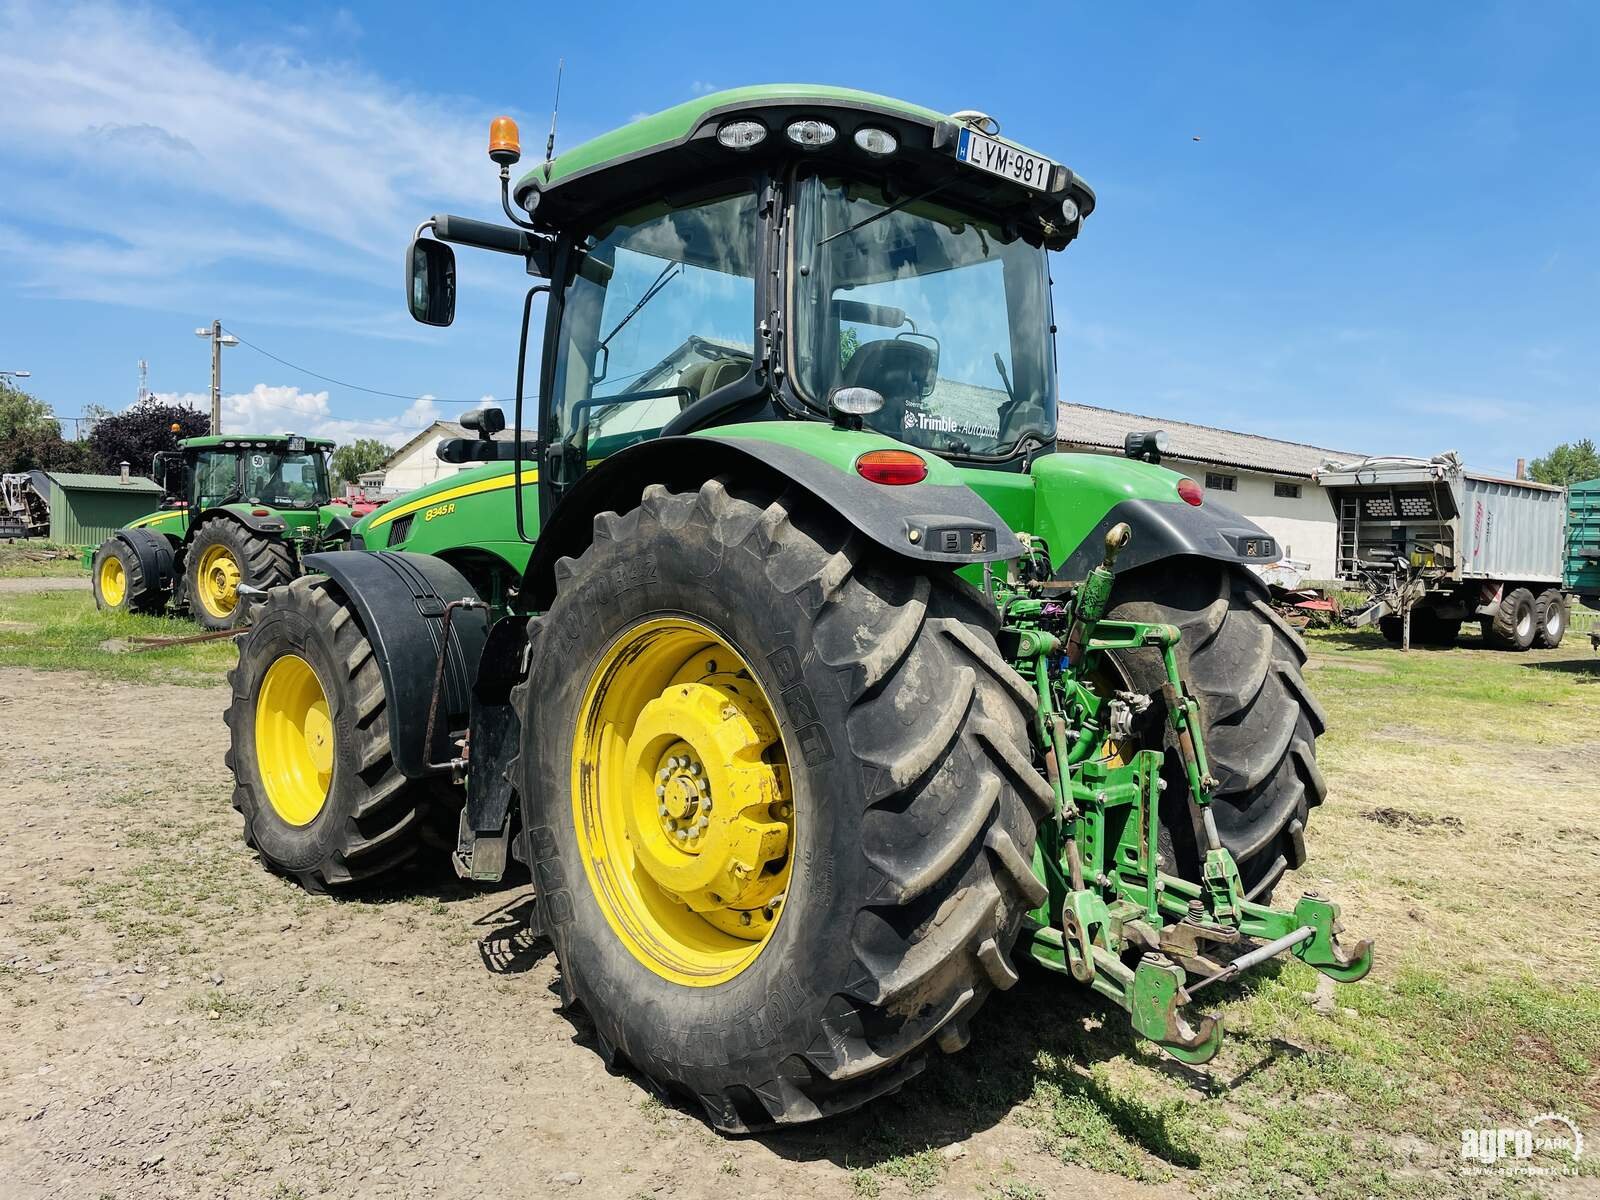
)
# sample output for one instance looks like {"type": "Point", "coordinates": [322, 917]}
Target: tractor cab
{"type": "Point", "coordinates": [784, 252]}
{"type": "Point", "coordinates": [279, 472]}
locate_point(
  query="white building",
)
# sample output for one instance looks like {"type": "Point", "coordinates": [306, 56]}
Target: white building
{"type": "Point", "coordinates": [417, 462]}
{"type": "Point", "coordinates": [1269, 481]}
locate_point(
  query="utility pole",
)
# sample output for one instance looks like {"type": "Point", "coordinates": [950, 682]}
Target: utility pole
{"type": "Point", "coordinates": [144, 380]}
{"type": "Point", "coordinates": [218, 341]}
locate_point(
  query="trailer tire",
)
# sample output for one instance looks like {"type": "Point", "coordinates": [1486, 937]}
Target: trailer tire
{"type": "Point", "coordinates": [1393, 630]}
{"type": "Point", "coordinates": [1243, 664]}
{"type": "Point", "coordinates": [902, 755]}
{"type": "Point", "coordinates": [369, 820]}
{"type": "Point", "coordinates": [1515, 624]}
{"type": "Point", "coordinates": [1551, 617]}
{"type": "Point", "coordinates": [223, 554]}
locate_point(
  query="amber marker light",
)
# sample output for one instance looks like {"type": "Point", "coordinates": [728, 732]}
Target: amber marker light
{"type": "Point", "coordinates": [505, 143]}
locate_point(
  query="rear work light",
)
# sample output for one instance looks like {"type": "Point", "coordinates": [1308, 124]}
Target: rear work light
{"type": "Point", "coordinates": [811, 134]}
{"type": "Point", "coordinates": [742, 135]}
{"type": "Point", "coordinates": [891, 467]}
{"type": "Point", "coordinates": [1191, 491]}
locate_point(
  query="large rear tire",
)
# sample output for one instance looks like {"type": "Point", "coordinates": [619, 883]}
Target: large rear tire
{"type": "Point", "coordinates": [224, 554]}
{"type": "Point", "coordinates": [883, 754]}
{"type": "Point", "coordinates": [313, 773]}
{"type": "Point", "coordinates": [1243, 663]}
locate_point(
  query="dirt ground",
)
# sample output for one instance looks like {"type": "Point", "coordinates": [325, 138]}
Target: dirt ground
{"type": "Point", "coordinates": [179, 1023]}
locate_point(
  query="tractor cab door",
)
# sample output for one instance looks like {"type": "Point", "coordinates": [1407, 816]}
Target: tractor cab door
{"type": "Point", "coordinates": [213, 479]}
{"type": "Point", "coordinates": [658, 313]}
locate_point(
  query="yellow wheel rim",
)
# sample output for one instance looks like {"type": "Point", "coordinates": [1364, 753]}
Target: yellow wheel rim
{"type": "Point", "coordinates": [294, 740]}
{"type": "Point", "coordinates": [682, 801]}
{"type": "Point", "coordinates": [217, 580]}
{"type": "Point", "coordinates": [113, 581]}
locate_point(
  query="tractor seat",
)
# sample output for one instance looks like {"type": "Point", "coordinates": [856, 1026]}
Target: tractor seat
{"type": "Point", "coordinates": [704, 378]}
{"type": "Point", "coordinates": [899, 371]}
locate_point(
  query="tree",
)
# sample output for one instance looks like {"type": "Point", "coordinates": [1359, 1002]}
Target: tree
{"type": "Point", "coordinates": [134, 436]}
{"type": "Point", "coordinates": [31, 437]}
{"type": "Point", "coordinates": [1568, 463]}
{"type": "Point", "coordinates": [354, 459]}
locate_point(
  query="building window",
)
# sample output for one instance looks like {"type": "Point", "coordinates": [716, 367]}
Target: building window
{"type": "Point", "coordinates": [1286, 491]}
{"type": "Point", "coordinates": [1221, 483]}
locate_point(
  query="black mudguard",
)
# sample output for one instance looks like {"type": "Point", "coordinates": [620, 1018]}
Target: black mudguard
{"type": "Point", "coordinates": [484, 837]}
{"type": "Point", "coordinates": [925, 522]}
{"type": "Point", "coordinates": [1164, 530]}
{"type": "Point", "coordinates": [400, 599]}
{"type": "Point", "coordinates": [271, 525]}
{"type": "Point", "coordinates": [156, 558]}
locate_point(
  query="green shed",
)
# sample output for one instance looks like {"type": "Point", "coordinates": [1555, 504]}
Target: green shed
{"type": "Point", "coordinates": [87, 509]}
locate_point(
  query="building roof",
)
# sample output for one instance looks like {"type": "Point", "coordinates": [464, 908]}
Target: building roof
{"type": "Point", "coordinates": [74, 480]}
{"type": "Point", "coordinates": [441, 429]}
{"type": "Point", "coordinates": [1105, 428]}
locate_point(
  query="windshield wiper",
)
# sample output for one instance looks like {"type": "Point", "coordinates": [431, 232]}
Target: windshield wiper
{"type": "Point", "coordinates": [667, 276]}
{"type": "Point", "coordinates": [881, 213]}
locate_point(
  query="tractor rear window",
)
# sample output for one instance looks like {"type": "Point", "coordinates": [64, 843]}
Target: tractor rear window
{"type": "Point", "coordinates": [945, 315]}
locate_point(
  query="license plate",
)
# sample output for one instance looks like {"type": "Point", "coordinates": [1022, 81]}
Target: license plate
{"type": "Point", "coordinates": [1008, 162]}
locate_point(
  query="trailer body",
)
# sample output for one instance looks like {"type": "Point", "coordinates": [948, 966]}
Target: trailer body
{"type": "Point", "coordinates": [1582, 576]}
{"type": "Point", "coordinates": [1449, 544]}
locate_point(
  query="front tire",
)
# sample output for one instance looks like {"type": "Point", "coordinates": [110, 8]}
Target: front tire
{"type": "Point", "coordinates": [117, 577]}
{"type": "Point", "coordinates": [885, 758]}
{"type": "Point", "coordinates": [223, 555]}
{"type": "Point", "coordinates": [1243, 664]}
{"type": "Point", "coordinates": [314, 777]}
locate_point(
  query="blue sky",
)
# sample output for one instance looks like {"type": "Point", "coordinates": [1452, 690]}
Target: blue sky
{"type": "Point", "coordinates": [1385, 238]}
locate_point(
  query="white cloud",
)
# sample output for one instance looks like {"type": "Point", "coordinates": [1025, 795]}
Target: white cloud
{"type": "Point", "coordinates": [701, 88]}
{"type": "Point", "coordinates": [119, 128]}
{"type": "Point", "coordinates": [268, 408]}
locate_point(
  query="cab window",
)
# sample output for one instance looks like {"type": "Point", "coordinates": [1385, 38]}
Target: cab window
{"type": "Point", "coordinates": [659, 314]}
{"type": "Point", "coordinates": [216, 477]}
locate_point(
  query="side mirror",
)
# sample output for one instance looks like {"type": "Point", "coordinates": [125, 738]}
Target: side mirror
{"type": "Point", "coordinates": [431, 281]}
{"type": "Point", "coordinates": [485, 421]}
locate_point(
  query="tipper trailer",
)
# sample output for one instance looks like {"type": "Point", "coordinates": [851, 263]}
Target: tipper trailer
{"type": "Point", "coordinates": [1438, 545]}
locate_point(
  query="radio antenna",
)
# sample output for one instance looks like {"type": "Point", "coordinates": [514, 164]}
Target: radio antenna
{"type": "Point", "coordinates": [550, 142]}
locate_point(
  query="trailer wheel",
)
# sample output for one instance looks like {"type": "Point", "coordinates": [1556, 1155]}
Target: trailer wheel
{"type": "Point", "coordinates": [1515, 624]}
{"type": "Point", "coordinates": [1551, 616]}
{"type": "Point", "coordinates": [1243, 662]}
{"type": "Point", "coordinates": [119, 582]}
{"type": "Point", "coordinates": [223, 554]}
{"type": "Point", "coordinates": [309, 747]}
{"type": "Point", "coordinates": [780, 803]}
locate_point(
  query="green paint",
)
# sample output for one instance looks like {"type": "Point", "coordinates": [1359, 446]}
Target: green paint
{"type": "Point", "coordinates": [837, 447]}
{"type": "Point", "coordinates": [275, 441]}
{"type": "Point", "coordinates": [672, 125]}
{"type": "Point", "coordinates": [1076, 490]}
{"type": "Point", "coordinates": [461, 518]}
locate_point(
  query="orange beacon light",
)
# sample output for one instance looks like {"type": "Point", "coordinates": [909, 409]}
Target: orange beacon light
{"type": "Point", "coordinates": [505, 145]}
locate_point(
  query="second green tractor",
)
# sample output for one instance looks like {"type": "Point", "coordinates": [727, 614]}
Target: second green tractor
{"type": "Point", "coordinates": [814, 689]}
{"type": "Point", "coordinates": [239, 511]}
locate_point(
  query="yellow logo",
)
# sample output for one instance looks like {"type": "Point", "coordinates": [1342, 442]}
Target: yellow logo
{"type": "Point", "coordinates": [439, 510]}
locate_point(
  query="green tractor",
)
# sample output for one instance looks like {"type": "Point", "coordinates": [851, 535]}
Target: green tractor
{"type": "Point", "coordinates": [813, 687]}
{"type": "Point", "coordinates": [240, 511]}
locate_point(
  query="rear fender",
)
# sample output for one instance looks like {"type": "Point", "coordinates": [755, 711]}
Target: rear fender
{"type": "Point", "coordinates": [270, 525]}
{"type": "Point", "coordinates": [939, 521]}
{"type": "Point", "coordinates": [1165, 530]}
{"type": "Point", "coordinates": [155, 553]}
{"type": "Point", "coordinates": [400, 600]}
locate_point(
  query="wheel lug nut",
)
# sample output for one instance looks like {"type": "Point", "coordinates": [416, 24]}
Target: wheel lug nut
{"type": "Point", "coordinates": [683, 835]}
{"type": "Point", "coordinates": [662, 809]}
{"type": "Point", "coordinates": [661, 791]}
{"type": "Point", "coordinates": [744, 918]}
{"type": "Point", "coordinates": [694, 768]}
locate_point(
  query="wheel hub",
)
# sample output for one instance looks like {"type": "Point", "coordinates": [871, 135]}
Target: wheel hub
{"type": "Point", "coordinates": [113, 580]}
{"type": "Point", "coordinates": [706, 812]}
{"type": "Point", "coordinates": [219, 578]}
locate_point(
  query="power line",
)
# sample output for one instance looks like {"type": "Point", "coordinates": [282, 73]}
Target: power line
{"type": "Point", "coordinates": [355, 387]}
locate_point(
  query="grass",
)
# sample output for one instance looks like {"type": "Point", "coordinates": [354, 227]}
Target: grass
{"type": "Point", "coordinates": [62, 630]}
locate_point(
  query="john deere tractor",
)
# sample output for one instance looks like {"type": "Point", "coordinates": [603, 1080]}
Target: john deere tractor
{"type": "Point", "coordinates": [239, 511]}
{"type": "Point", "coordinates": [813, 687]}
